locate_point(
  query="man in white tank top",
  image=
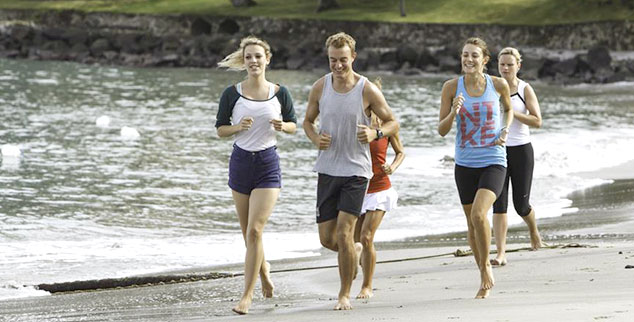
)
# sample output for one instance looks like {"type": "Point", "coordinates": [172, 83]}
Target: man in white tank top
{"type": "Point", "coordinates": [343, 99]}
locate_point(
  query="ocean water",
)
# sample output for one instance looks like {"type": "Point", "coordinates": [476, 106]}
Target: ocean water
{"type": "Point", "coordinates": [81, 201]}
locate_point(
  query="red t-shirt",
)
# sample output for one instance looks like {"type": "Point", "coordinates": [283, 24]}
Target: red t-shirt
{"type": "Point", "coordinates": [380, 181]}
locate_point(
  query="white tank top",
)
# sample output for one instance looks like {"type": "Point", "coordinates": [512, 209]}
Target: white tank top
{"type": "Point", "coordinates": [519, 134]}
{"type": "Point", "coordinates": [261, 135]}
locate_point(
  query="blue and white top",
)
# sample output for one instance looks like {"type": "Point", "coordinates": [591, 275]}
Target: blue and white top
{"type": "Point", "coordinates": [478, 126]}
{"type": "Point", "coordinates": [233, 107]}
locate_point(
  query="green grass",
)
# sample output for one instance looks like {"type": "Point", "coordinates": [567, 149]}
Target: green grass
{"type": "Point", "coordinates": [523, 12]}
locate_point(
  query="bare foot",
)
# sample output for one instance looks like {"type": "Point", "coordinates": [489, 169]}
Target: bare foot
{"type": "Point", "coordinates": [358, 249]}
{"type": "Point", "coordinates": [498, 261]}
{"type": "Point", "coordinates": [482, 294]}
{"type": "Point", "coordinates": [366, 293]}
{"type": "Point", "coordinates": [265, 278]}
{"type": "Point", "coordinates": [536, 241]}
{"type": "Point", "coordinates": [343, 304]}
{"type": "Point", "coordinates": [486, 276]}
{"type": "Point", "coordinates": [243, 306]}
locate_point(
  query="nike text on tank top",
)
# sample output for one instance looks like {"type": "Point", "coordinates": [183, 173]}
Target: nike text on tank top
{"type": "Point", "coordinates": [380, 180]}
{"type": "Point", "coordinates": [478, 126]}
{"type": "Point", "coordinates": [519, 134]}
{"type": "Point", "coordinates": [339, 115]}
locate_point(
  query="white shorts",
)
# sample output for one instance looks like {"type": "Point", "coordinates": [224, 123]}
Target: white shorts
{"type": "Point", "coordinates": [383, 200]}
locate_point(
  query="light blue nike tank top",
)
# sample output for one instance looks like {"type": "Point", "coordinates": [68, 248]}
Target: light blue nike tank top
{"type": "Point", "coordinates": [478, 126]}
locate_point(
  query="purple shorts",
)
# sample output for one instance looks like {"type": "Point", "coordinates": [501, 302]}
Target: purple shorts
{"type": "Point", "coordinates": [252, 170]}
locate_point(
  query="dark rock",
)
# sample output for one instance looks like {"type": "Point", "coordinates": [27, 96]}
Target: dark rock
{"type": "Point", "coordinates": [54, 33]}
{"type": "Point", "coordinates": [530, 68]}
{"type": "Point", "coordinates": [618, 77]}
{"type": "Point", "coordinates": [566, 67]}
{"type": "Point", "coordinates": [425, 58]}
{"type": "Point", "coordinates": [99, 46]}
{"type": "Point", "coordinates": [75, 36]}
{"type": "Point", "coordinates": [547, 68]}
{"type": "Point", "coordinates": [200, 26]}
{"type": "Point", "coordinates": [389, 57]}
{"type": "Point", "coordinates": [406, 53]}
{"type": "Point", "coordinates": [171, 44]}
{"type": "Point", "coordinates": [55, 46]}
{"type": "Point", "coordinates": [20, 32]}
{"type": "Point", "coordinates": [228, 26]}
{"type": "Point", "coordinates": [599, 58]}
{"type": "Point", "coordinates": [128, 43]}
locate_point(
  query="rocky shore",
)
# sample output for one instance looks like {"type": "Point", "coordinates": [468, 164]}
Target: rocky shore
{"type": "Point", "coordinates": [576, 53]}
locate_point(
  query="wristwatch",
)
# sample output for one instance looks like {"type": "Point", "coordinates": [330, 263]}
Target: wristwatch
{"type": "Point", "coordinates": [379, 134]}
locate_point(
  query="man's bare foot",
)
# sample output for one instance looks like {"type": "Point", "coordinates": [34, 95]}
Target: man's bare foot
{"type": "Point", "coordinates": [366, 293]}
{"type": "Point", "coordinates": [536, 241]}
{"type": "Point", "coordinates": [358, 249]}
{"type": "Point", "coordinates": [343, 304]}
{"type": "Point", "coordinates": [243, 306]}
{"type": "Point", "coordinates": [265, 278]}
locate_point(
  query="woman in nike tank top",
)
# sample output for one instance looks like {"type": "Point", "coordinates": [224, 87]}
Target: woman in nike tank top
{"type": "Point", "coordinates": [473, 101]}
{"type": "Point", "coordinates": [519, 154]}
{"type": "Point", "coordinates": [254, 111]}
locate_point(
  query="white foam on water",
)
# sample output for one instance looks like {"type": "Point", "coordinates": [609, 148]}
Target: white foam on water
{"type": "Point", "coordinates": [103, 121]}
{"type": "Point", "coordinates": [129, 133]}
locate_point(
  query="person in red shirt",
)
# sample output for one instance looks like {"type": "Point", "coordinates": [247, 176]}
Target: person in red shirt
{"type": "Point", "coordinates": [380, 198]}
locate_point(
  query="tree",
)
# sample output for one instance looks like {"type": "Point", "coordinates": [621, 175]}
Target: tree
{"type": "Point", "coordinates": [327, 5]}
{"type": "Point", "coordinates": [402, 7]}
{"type": "Point", "coordinates": [243, 3]}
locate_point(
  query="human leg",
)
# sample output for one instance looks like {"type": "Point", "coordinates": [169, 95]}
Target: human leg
{"type": "Point", "coordinates": [347, 257]}
{"type": "Point", "coordinates": [261, 203]}
{"type": "Point", "coordinates": [483, 201]}
{"type": "Point", "coordinates": [370, 224]}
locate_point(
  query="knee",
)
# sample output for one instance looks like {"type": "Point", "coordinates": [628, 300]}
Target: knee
{"type": "Point", "coordinates": [343, 236]}
{"type": "Point", "coordinates": [328, 242]}
{"type": "Point", "coordinates": [254, 233]}
{"type": "Point", "coordinates": [523, 210]}
{"type": "Point", "coordinates": [367, 239]}
{"type": "Point", "coordinates": [478, 217]}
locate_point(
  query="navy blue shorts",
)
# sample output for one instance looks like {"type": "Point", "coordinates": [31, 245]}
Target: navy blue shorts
{"type": "Point", "coordinates": [469, 180]}
{"type": "Point", "coordinates": [252, 170]}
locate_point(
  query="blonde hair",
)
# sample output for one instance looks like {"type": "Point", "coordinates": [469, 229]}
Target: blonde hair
{"type": "Point", "coordinates": [341, 39]}
{"type": "Point", "coordinates": [511, 51]}
{"type": "Point", "coordinates": [235, 60]}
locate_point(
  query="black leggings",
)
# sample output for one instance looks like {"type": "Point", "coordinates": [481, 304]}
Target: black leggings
{"type": "Point", "coordinates": [520, 161]}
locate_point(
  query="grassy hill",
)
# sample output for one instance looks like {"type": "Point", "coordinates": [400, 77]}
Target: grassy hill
{"type": "Point", "coordinates": [520, 12]}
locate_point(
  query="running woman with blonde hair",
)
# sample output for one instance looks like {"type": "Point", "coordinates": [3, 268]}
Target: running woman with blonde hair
{"type": "Point", "coordinates": [254, 111]}
{"type": "Point", "coordinates": [519, 154]}
{"type": "Point", "coordinates": [473, 101]}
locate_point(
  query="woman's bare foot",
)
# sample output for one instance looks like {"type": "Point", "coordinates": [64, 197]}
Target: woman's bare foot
{"type": "Point", "coordinates": [498, 261]}
{"type": "Point", "coordinates": [343, 304]}
{"type": "Point", "coordinates": [265, 278]}
{"type": "Point", "coordinates": [366, 293]}
{"type": "Point", "coordinates": [482, 294]}
{"type": "Point", "coordinates": [243, 306]}
{"type": "Point", "coordinates": [536, 241]}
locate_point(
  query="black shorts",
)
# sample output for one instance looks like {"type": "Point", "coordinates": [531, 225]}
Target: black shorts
{"type": "Point", "coordinates": [469, 180]}
{"type": "Point", "coordinates": [336, 194]}
{"type": "Point", "coordinates": [520, 173]}
{"type": "Point", "coordinates": [253, 170]}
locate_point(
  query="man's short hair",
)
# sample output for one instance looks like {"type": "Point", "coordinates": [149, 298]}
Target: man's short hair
{"type": "Point", "coordinates": [341, 39]}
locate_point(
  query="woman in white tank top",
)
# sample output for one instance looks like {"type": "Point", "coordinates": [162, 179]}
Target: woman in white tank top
{"type": "Point", "coordinates": [520, 158]}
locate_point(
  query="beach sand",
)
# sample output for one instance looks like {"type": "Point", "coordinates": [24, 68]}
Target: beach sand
{"type": "Point", "coordinates": [587, 283]}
